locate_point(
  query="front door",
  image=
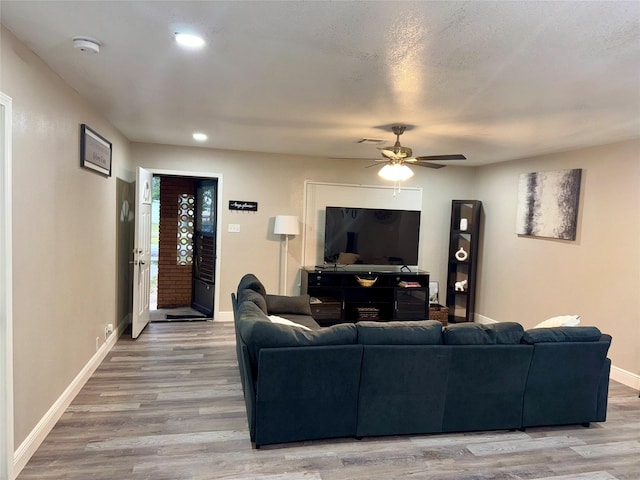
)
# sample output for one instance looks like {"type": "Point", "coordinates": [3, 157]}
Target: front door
{"type": "Point", "coordinates": [205, 247]}
{"type": "Point", "coordinates": [142, 252]}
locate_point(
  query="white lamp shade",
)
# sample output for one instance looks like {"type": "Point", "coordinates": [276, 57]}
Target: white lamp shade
{"type": "Point", "coordinates": [396, 172]}
{"type": "Point", "coordinates": [286, 225]}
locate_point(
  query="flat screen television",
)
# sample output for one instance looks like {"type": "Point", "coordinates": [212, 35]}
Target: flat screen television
{"type": "Point", "coordinates": [371, 236]}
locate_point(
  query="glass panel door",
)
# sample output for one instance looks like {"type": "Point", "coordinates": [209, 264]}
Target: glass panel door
{"type": "Point", "coordinates": [205, 247]}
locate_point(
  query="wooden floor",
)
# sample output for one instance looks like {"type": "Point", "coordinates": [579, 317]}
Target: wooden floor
{"type": "Point", "coordinates": [169, 406]}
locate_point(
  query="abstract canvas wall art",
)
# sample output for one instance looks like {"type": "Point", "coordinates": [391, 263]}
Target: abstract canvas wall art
{"type": "Point", "coordinates": [548, 204]}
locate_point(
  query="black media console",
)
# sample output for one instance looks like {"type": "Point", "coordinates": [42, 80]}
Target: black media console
{"type": "Point", "coordinates": [339, 297]}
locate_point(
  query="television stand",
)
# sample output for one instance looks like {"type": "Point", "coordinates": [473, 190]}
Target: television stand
{"type": "Point", "coordinates": [395, 295]}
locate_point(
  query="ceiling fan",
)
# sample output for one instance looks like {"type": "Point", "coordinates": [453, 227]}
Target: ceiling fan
{"type": "Point", "coordinates": [399, 155]}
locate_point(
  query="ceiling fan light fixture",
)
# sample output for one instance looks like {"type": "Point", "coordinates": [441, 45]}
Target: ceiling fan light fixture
{"type": "Point", "coordinates": [395, 172]}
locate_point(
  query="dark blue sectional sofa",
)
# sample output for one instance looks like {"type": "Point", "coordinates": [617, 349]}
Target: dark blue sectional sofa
{"type": "Point", "coordinates": [390, 378]}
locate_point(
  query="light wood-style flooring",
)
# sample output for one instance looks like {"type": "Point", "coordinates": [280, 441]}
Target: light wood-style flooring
{"type": "Point", "coordinates": [169, 406]}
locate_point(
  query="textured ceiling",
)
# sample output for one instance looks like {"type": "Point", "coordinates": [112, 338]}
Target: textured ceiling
{"type": "Point", "coordinates": [492, 80]}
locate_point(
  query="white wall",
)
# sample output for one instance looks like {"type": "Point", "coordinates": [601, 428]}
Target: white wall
{"type": "Point", "coordinates": [598, 276]}
{"type": "Point", "coordinates": [64, 232]}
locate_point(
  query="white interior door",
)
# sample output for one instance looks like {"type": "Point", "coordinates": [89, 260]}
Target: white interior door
{"type": "Point", "coordinates": [142, 252]}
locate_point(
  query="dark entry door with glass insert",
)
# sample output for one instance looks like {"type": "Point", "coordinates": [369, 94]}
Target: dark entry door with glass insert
{"type": "Point", "coordinates": [205, 247]}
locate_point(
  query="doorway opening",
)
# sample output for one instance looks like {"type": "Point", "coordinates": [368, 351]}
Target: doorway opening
{"type": "Point", "coordinates": [183, 248]}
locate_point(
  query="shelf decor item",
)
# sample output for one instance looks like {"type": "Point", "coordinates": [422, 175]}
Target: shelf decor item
{"type": "Point", "coordinates": [366, 282]}
{"type": "Point", "coordinates": [463, 224]}
{"type": "Point", "coordinates": [461, 286]}
{"type": "Point", "coordinates": [461, 255]}
{"type": "Point", "coordinates": [368, 313]}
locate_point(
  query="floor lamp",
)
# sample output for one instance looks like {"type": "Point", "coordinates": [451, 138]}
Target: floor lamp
{"type": "Point", "coordinates": [286, 225]}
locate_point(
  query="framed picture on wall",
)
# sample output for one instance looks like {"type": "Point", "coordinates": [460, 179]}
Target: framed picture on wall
{"type": "Point", "coordinates": [95, 151]}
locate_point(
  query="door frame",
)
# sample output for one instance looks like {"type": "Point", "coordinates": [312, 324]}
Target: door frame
{"type": "Point", "coordinates": [6, 311]}
{"type": "Point", "coordinates": [205, 176]}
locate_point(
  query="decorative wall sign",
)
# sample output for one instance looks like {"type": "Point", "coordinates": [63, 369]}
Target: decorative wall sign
{"type": "Point", "coordinates": [548, 204]}
{"type": "Point", "coordinates": [243, 206]}
{"type": "Point", "coordinates": [95, 151]}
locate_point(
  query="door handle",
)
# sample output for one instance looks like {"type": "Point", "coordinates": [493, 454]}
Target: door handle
{"type": "Point", "coordinates": [141, 262]}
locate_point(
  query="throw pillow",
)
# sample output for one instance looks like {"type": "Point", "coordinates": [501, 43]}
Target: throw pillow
{"type": "Point", "coordinates": [560, 321]}
{"type": "Point", "coordinates": [285, 321]}
{"type": "Point", "coordinates": [288, 304]}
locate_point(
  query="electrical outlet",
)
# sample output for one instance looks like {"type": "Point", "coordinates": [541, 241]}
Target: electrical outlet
{"type": "Point", "coordinates": [108, 330]}
{"type": "Point", "coordinates": [97, 343]}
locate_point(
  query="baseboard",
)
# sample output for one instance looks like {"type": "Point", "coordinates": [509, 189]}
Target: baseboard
{"type": "Point", "coordinates": [224, 317]}
{"type": "Point", "coordinates": [626, 378]}
{"type": "Point", "coordinates": [29, 446]}
{"type": "Point", "coordinates": [482, 319]}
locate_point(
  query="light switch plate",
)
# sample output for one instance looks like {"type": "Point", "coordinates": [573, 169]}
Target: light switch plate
{"type": "Point", "coordinates": [234, 227]}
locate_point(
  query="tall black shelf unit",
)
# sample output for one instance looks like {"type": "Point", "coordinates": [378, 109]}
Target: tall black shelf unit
{"type": "Point", "coordinates": [464, 239]}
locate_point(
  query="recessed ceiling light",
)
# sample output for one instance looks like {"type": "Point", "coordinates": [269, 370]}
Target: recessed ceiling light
{"type": "Point", "coordinates": [191, 41]}
{"type": "Point", "coordinates": [199, 137]}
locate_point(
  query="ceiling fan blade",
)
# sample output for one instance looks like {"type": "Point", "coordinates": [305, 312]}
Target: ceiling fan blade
{"type": "Point", "coordinates": [440, 158]}
{"type": "Point", "coordinates": [374, 164]}
{"type": "Point", "coordinates": [429, 165]}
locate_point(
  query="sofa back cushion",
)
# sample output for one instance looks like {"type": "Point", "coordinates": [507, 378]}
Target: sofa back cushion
{"type": "Point", "coordinates": [247, 316]}
{"type": "Point", "coordinates": [400, 333]}
{"type": "Point", "coordinates": [272, 335]}
{"type": "Point", "coordinates": [298, 304]}
{"type": "Point", "coordinates": [251, 282]}
{"type": "Point", "coordinates": [248, 295]}
{"type": "Point", "coordinates": [466, 334]}
{"type": "Point", "coordinates": [561, 334]}
{"type": "Point", "coordinates": [504, 333]}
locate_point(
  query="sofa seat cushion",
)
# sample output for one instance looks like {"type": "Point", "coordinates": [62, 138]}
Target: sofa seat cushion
{"type": "Point", "coordinates": [286, 321]}
{"type": "Point", "coordinates": [561, 334]}
{"type": "Point", "coordinates": [417, 332]}
{"type": "Point", "coordinates": [298, 304]}
{"type": "Point", "coordinates": [306, 320]}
